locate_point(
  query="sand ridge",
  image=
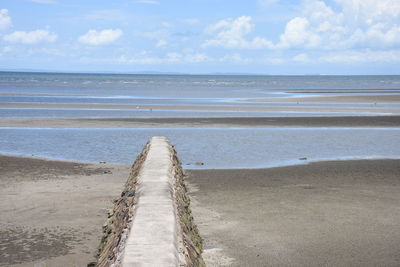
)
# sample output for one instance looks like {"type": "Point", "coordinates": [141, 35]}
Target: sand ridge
{"type": "Point", "coordinates": [238, 122]}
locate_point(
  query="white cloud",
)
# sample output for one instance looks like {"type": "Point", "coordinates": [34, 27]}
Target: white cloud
{"type": "Point", "coordinates": [370, 11]}
{"type": "Point", "coordinates": [161, 43]}
{"type": "Point", "coordinates": [93, 37]}
{"type": "Point", "coordinates": [5, 20]}
{"type": "Point", "coordinates": [32, 37]}
{"type": "Point", "coordinates": [297, 34]}
{"type": "Point", "coordinates": [302, 58]}
{"type": "Point", "coordinates": [358, 23]}
{"type": "Point", "coordinates": [231, 33]}
{"type": "Point", "coordinates": [317, 27]}
{"type": "Point", "coordinates": [161, 36]}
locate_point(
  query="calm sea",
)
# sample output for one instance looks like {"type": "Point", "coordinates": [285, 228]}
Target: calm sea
{"type": "Point", "coordinates": [114, 88]}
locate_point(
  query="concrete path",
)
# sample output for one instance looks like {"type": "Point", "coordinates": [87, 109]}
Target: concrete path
{"type": "Point", "coordinates": [153, 236]}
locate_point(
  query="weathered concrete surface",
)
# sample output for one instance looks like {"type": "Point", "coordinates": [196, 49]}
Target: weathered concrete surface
{"type": "Point", "coordinates": [152, 240]}
{"type": "Point", "coordinates": [151, 223]}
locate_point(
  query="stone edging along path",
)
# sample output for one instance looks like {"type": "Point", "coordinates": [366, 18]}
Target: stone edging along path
{"type": "Point", "coordinates": [151, 223]}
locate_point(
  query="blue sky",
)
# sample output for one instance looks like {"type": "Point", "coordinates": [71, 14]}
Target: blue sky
{"type": "Point", "coordinates": [202, 36]}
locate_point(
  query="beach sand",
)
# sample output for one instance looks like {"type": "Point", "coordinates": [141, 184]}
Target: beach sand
{"type": "Point", "coordinates": [237, 122]}
{"type": "Point", "coordinates": [336, 213]}
{"type": "Point", "coordinates": [339, 213]}
{"type": "Point", "coordinates": [52, 212]}
{"type": "Point", "coordinates": [310, 104]}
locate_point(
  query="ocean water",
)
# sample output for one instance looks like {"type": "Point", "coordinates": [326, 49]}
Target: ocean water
{"type": "Point", "coordinates": [178, 89]}
{"type": "Point", "coordinates": [158, 113]}
{"type": "Point", "coordinates": [171, 91]}
{"type": "Point", "coordinates": [217, 148]}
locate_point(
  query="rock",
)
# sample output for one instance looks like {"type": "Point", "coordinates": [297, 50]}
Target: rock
{"type": "Point", "coordinates": [128, 193]}
{"type": "Point", "coordinates": [303, 158]}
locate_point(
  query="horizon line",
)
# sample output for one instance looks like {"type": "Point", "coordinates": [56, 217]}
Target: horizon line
{"type": "Point", "coordinates": [176, 73]}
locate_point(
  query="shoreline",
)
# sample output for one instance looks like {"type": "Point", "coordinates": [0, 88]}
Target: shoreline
{"type": "Point", "coordinates": [189, 167]}
{"type": "Point", "coordinates": [42, 158]}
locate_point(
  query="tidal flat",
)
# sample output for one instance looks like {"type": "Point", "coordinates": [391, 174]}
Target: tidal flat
{"type": "Point", "coordinates": [282, 170]}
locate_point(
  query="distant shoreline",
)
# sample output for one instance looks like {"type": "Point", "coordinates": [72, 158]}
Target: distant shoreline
{"type": "Point", "coordinates": [177, 73]}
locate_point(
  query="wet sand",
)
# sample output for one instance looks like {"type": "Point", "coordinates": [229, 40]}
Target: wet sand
{"type": "Point", "coordinates": [237, 122]}
{"type": "Point", "coordinates": [52, 212]}
{"type": "Point", "coordinates": [270, 104]}
{"type": "Point", "coordinates": [339, 213]}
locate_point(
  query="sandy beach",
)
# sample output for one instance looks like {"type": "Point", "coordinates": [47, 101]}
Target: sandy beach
{"type": "Point", "coordinates": [52, 211]}
{"type": "Point", "coordinates": [339, 213]}
{"type": "Point", "coordinates": [271, 104]}
{"type": "Point", "coordinates": [237, 122]}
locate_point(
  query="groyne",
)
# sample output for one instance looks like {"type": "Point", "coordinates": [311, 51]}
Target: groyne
{"type": "Point", "coordinates": [151, 223]}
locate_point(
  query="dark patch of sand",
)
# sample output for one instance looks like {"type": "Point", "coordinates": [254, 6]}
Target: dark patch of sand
{"type": "Point", "coordinates": [26, 244]}
{"type": "Point", "coordinates": [29, 169]}
{"type": "Point", "coordinates": [289, 104]}
{"type": "Point", "coordinates": [341, 213]}
{"type": "Point", "coordinates": [52, 212]}
{"type": "Point", "coordinates": [334, 121]}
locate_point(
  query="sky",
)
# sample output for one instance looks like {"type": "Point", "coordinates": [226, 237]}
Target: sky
{"type": "Point", "coordinates": [285, 37]}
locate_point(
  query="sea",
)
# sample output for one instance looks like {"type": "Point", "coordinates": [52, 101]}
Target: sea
{"type": "Point", "coordinates": [65, 95]}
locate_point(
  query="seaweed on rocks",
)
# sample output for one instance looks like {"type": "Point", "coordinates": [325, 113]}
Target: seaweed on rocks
{"type": "Point", "coordinates": [116, 227]}
{"type": "Point", "coordinates": [192, 241]}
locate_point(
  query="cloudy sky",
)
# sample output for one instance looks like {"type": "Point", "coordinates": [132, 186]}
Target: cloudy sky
{"type": "Point", "coordinates": [202, 36]}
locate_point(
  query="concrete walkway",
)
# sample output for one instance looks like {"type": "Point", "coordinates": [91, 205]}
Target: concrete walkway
{"type": "Point", "coordinates": [153, 236]}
